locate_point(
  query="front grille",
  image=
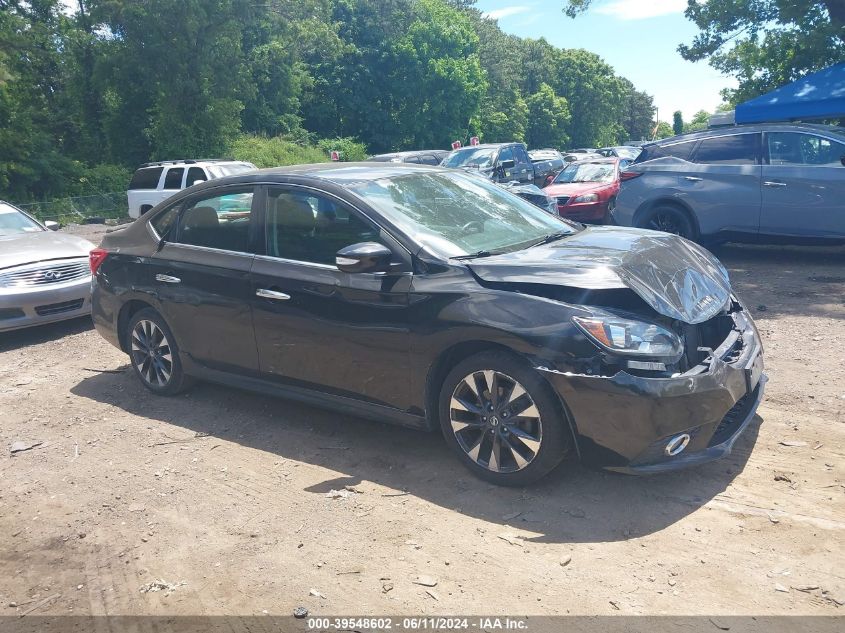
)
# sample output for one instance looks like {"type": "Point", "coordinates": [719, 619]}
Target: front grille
{"type": "Point", "coordinates": [562, 200]}
{"type": "Point", "coordinates": [45, 273]}
{"type": "Point", "coordinates": [58, 308]}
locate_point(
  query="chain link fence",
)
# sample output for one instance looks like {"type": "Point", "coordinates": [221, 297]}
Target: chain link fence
{"type": "Point", "coordinates": [81, 209]}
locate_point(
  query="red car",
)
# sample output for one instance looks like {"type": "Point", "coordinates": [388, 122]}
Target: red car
{"type": "Point", "coordinates": [586, 190]}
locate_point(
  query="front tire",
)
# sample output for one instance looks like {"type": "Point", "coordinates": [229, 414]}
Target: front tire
{"type": "Point", "coordinates": [502, 419]}
{"type": "Point", "coordinates": [154, 354]}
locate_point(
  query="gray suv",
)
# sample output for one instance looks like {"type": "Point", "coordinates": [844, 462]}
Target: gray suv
{"type": "Point", "coordinates": [771, 182]}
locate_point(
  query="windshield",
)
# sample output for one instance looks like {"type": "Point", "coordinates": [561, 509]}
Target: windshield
{"type": "Point", "coordinates": [218, 171]}
{"type": "Point", "coordinates": [628, 152]}
{"type": "Point", "coordinates": [470, 158]}
{"type": "Point", "coordinates": [13, 222]}
{"type": "Point", "coordinates": [587, 172]}
{"type": "Point", "coordinates": [453, 214]}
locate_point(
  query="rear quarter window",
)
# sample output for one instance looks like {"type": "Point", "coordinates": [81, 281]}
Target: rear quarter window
{"type": "Point", "coordinates": [146, 178]}
{"type": "Point", "coordinates": [675, 150]}
{"type": "Point", "coordinates": [737, 149]}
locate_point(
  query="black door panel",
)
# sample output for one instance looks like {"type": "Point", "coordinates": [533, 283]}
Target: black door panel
{"type": "Point", "coordinates": [347, 332]}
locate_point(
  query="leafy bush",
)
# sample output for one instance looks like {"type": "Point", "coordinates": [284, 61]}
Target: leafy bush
{"type": "Point", "coordinates": [350, 149]}
{"type": "Point", "coordinates": [274, 152]}
{"type": "Point", "coordinates": [103, 178]}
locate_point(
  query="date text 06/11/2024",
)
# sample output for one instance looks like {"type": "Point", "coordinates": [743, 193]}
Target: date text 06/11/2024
{"type": "Point", "coordinates": [427, 623]}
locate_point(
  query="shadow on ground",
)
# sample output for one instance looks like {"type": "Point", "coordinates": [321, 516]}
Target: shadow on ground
{"type": "Point", "coordinates": [17, 339]}
{"type": "Point", "coordinates": [573, 504]}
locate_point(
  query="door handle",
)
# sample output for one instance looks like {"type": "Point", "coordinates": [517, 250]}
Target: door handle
{"type": "Point", "coordinates": [774, 183]}
{"type": "Point", "coordinates": [692, 178]}
{"type": "Point", "coordinates": [168, 279]}
{"type": "Point", "coordinates": [271, 294]}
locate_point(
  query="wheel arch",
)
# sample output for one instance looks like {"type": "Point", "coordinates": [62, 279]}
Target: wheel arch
{"type": "Point", "coordinates": [459, 352]}
{"type": "Point", "coordinates": [127, 311]}
{"type": "Point", "coordinates": [668, 201]}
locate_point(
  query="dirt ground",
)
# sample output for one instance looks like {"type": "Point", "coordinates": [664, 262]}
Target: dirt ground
{"type": "Point", "coordinates": [222, 494]}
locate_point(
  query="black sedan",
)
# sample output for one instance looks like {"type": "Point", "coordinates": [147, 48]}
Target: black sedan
{"type": "Point", "coordinates": [434, 299]}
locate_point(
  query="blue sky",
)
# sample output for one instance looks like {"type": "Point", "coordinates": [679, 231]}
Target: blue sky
{"type": "Point", "coordinates": [639, 38]}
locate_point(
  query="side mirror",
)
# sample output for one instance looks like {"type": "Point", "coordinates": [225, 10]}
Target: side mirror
{"type": "Point", "coordinates": [507, 164]}
{"type": "Point", "coordinates": [198, 181]}
{"type": "Point", "coordinates": [365, 257]}
{"type": "Point", "coordinates": [549, 179]}
{"type": "Point", "coordinates": [53, 226]}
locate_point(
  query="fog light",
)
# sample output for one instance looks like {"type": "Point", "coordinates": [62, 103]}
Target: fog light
{"type": "Point", "coordinates": [677, 444]}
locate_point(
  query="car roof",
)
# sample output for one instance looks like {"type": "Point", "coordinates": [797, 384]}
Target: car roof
{"type": "Point", "coordinates": [193, 162]}
{"type": "Point", "coordinates": [724, 130]}
{"type": "Point", "coordinates": [603, 159]}
{"type": "Point", "coordinates": [486, 146]}
{"type": "Point", "coordinates": [342, 173]}
{"type": "Point", "coordinates": [416, 152]}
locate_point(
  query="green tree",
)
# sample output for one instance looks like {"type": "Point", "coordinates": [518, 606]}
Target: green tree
{"type": "Point", "coordinates": [595, 96]}
{"type": "Point", "coordinates": [664, 130]}
{"type": "Point", "coordinates": [698, 122]}
{"type": "Point", "coordinates": [636, 115]}
{"type": "Point", "coordinates": [548, 119]}
{"type": "Point", "coordinates": [678, 122]}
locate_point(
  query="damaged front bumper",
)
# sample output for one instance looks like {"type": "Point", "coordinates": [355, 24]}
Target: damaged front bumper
{"type": "Point", "coordinates": [625, 422]}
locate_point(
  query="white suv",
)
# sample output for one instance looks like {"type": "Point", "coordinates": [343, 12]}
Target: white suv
{"type": "Point", "coordinates": [155, 182]}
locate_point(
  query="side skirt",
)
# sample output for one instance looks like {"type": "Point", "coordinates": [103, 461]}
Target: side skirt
{"type": "Point", "coordinates": [323, 400]}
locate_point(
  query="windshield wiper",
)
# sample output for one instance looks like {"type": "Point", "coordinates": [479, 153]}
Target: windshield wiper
{"type": "Point", "coordinates": [551, 237]}
{"type": "Point", "coordinates": [474, 255]}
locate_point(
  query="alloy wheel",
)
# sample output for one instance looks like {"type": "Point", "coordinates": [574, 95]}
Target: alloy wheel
{"type": "Point", "coordinates": [151, 353]}
{"type": "Point", "coordinates": [666, 222]}
{"type": "Point", "coordinates": [495, 421]}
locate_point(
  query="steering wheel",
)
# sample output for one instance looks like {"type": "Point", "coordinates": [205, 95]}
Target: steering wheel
{"type": "Point", "coordinates": [473, 227]}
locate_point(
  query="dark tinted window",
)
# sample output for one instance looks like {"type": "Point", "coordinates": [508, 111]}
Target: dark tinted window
{"type": "Point", "coordinates": [506, 154]}
{"type": "Point", "coordinates": [521, 155]}
{"type": "Point", "coordinates": [412, 159]}
{"type": "Point", "coordinates": [173, 178]}
{"type": "Point", "coordinates": [163, 222]}
{"type": "Point", "coordinates": [309, 228]}
{"type": "Point", "coordinates": [429, 159]}
{"type": "Point", "coordinates": [676, 150]}
{"type": "Point", "coordinates": [794, 148]}
{"type": "Point", "coordinates": [146, 178]}
{"type": "Point", "coordinates": [738, 149]}
{"type": "Point", "coordinates": [218, 222]}
{"type": "Point", "coordinates": [194, 174]}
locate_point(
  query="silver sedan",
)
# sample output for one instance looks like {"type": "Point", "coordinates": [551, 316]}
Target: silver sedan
{"type": "Point", "coordinates": [44, 276]}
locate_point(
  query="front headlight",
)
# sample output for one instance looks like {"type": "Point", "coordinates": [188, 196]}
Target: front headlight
{"type": "Point", "coordinates": [626, 336]}
{"type": "Point", "coordinates": [590, 197]}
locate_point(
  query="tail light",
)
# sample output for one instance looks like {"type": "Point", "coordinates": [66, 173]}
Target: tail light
{"type": "Point", "coordinates": [629, 175]}
{"type": "Point", "coordinates": [95, 258]}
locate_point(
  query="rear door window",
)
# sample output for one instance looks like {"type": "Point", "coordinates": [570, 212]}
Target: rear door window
{"type": "Point", "coordinates": [221, 221]}
{"type": "Point", "coordinates": [146, 178]}
{"type": "Point", "coordinates": [521, 155]}
{"type": "Point", "coordinates": [736, 149]}
{"type": "Point", "coordinates": [173, 178]}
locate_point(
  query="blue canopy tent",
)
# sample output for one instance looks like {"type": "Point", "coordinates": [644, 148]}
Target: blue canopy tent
{"type": "Point", "coordinates": [817, 96]}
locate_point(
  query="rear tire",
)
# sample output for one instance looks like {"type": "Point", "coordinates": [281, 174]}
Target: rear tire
{"type": "Point", "coordinates": [154, 354]}
{"type": "Point", "coordinates": [669, 219]}
{"type": "Point", "coordinates": [502, 419]}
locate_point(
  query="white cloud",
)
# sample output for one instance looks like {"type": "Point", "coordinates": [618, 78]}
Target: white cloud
{"type": "Point", "coordinates": [504, 12]}
{"type": "Point", "coordinates": [641, 9]}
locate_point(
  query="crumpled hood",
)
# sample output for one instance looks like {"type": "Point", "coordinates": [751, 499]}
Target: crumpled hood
{"type": "Point", "coordinates": [40, 246]}
{"type": "Point", "coordinates": [676, 277]}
